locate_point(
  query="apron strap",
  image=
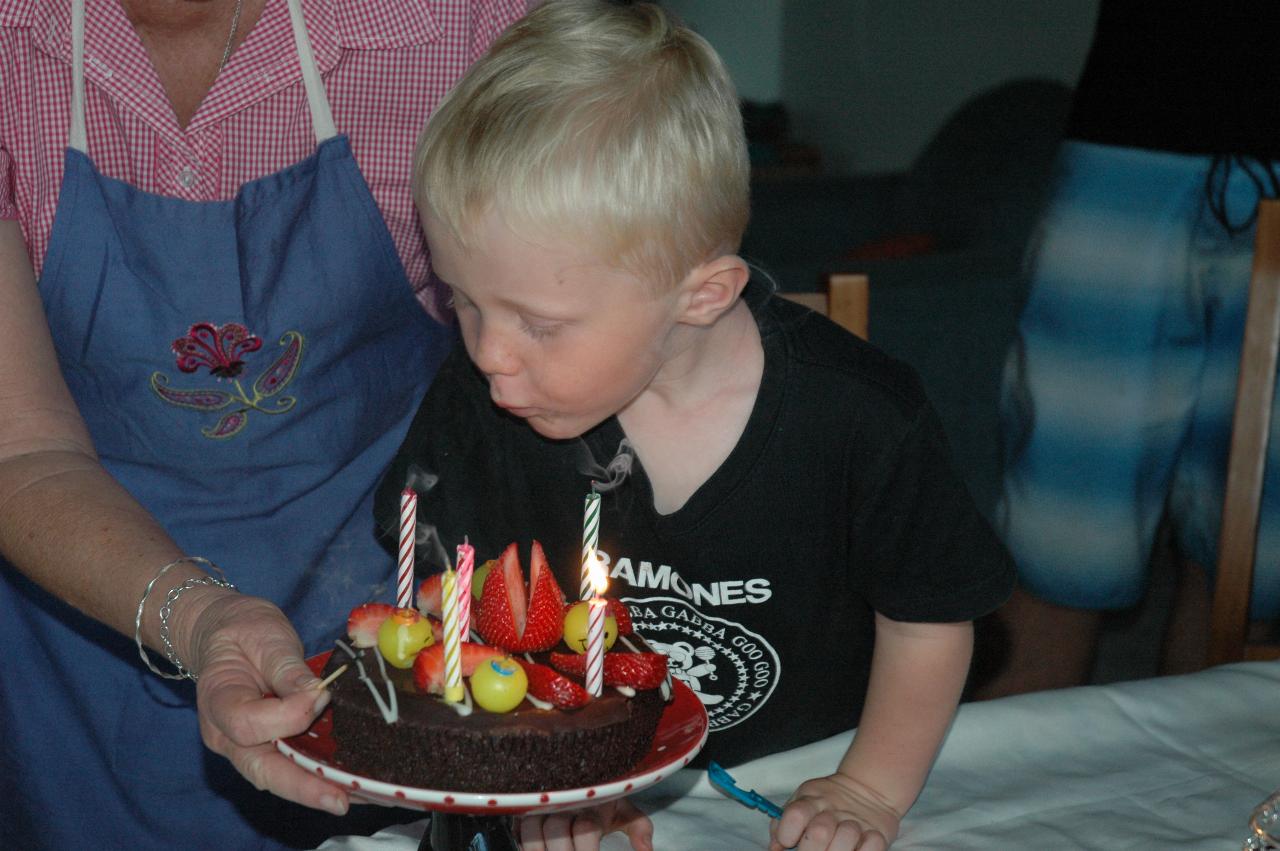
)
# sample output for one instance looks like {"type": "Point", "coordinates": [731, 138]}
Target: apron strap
{"type": "Point", "coordinates": [77, 137]}
{"type": "Point", "coordinates": [321, 115]}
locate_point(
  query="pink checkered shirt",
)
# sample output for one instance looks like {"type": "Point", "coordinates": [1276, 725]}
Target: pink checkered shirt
{"type": "Point", "coordinates": [385, 63]}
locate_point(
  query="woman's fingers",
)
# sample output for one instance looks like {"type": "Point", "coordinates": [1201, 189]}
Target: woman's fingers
{"type": "Point", "coordinates": [240, 723]}
{"type": "Point", "coordinates": [268, 769]}
{"type": "Point", "coordinates": [254, 688]}
{"type": "Point", "coordinates": [238, 710]}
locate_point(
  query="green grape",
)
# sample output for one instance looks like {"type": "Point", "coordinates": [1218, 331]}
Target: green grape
{"type": "Point", "coordinates": [402, 635]}
{"type": "Point", "coordinates": [499, 684]}
{"type": "Point", "coordinates": [575, 628]}
{"type": "Point", "coordinates": [479, 576]}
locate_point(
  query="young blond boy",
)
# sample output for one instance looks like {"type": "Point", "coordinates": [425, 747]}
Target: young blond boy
{"type": "Point", "coordinates": [790, 528]}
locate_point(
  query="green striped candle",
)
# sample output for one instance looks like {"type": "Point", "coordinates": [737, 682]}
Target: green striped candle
{"type": "Point", "coordinates": [590, 542]}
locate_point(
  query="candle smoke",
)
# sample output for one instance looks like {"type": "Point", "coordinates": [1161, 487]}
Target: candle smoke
{"type": "Point", "coordinates": [425, 537]}
{"type": "Point", "coordinates": [612, 475]}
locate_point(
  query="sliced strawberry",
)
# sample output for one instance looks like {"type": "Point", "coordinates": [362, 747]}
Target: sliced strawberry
{"type": "Point", "coordinates": [553, 687]}
{"type": "Point", "coordinates": [512, 574]}
{"type": "Point", "coordinates": [544, 625]}
{"type": "Point", "coordinates": [510, 617]}
{"type": "Point", "coordinates": [428, 666]}
{"type": "Point", "coordinates": [638, 670]}
{"type": "Point", "coordinates": [501, 614]}
{"type": "Point", "coordinates": [622, 615]}
{"type": "Point", "coordinates": [570, 663]}
{"type": "Point", "coordinates": [429, 595]}
{"type": "Point", "coordinates": [364, 620]}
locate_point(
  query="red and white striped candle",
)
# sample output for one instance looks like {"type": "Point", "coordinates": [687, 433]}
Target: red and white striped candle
{"type": "Point", "coordinates": [466, 569]}
{"type": "Point", "coordinates": [590, 541]}
{"type": "Point", "coordinates": [595, 647]}
{"type": "Point", "coordinates": [408, 531]}
{"type": "Point", "coordinates": [596, 610]}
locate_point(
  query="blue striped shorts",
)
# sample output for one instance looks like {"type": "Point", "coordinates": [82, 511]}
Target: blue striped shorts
{"type": "Point", "coordinates": [1118, 394]}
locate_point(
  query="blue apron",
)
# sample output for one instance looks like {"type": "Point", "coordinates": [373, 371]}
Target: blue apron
{"type": "Point", "coordinates": [246, 369]}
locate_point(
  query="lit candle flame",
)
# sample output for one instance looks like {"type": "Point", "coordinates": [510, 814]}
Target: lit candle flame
{"type": "Point", "coordinates": [595, 624]}
{"type": "Point", "coordinates": [597, 574]}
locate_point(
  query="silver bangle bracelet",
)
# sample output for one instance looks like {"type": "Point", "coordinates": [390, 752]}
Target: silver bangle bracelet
{"type": "Point", "coordinates": [166, 609]}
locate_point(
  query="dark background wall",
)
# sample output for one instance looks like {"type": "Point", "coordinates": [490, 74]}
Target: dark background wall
{"type": "Point", "coordinates": [869, 82]}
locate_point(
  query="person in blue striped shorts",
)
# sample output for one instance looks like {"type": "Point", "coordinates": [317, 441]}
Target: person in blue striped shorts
{"type": "Point", "coordinates": [1120, 387]}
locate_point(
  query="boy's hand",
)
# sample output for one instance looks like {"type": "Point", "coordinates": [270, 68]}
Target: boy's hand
{"type": "Point", "coordinates": [582, 830]}
{"type": "Point", "coordinates": [834, 813]}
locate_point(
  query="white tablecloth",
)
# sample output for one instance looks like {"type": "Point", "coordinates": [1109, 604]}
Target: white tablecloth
{"type": "Point", "coordinates": [1168, 763]}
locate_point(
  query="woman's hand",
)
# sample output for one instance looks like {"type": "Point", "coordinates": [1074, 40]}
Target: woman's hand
{"type": "Point", "coordinates": [254, 688]}
{"type": "Point", "coordinates": [834, 813]}
{"type": "Point", "coordinates": [582, 830]}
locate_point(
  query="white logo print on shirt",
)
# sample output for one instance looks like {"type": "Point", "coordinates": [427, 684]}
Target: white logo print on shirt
{"type": "Point", "coordinates": [731, 669]}
{"type": "Point", "coordinates": [727, 592]}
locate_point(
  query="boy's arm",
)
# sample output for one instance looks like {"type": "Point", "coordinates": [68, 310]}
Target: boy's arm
{"type": "Point", "coordinates": [917, 673]}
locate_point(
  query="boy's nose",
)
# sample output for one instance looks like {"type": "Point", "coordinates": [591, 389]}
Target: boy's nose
{"type": "Point", "coordinates": [492, 355]}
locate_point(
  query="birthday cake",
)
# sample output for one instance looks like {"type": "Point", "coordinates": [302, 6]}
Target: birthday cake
{"type": "Point", "coordinates": [523, 719]}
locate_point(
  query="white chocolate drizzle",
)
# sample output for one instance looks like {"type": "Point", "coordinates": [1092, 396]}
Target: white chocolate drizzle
{"type": "Point", "coordinates": [463, 707]}
{"type": "Point", "coordinates": [389, 708]}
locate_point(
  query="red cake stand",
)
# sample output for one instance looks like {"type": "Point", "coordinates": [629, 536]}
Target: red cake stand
{"type": "Point", "coordinates": [682, 731]}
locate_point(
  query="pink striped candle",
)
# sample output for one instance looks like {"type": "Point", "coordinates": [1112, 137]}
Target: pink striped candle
{"type": "Point", "coordinates": [466, 569]}
{"type": "Point", "coordinates": [408, 530]}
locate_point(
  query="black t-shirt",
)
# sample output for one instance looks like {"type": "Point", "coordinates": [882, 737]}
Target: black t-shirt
{"type": "Point", "coordinates": [839, 500]}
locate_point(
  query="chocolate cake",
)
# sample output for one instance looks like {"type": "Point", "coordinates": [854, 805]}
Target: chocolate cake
{"type": "Point", "coordinates": [431, 745]}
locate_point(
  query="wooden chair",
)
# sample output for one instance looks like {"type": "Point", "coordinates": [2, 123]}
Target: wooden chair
{"type": "Point", "coordinates": [846, 301]}
{"type": "Point", "coordinates": [1229, 638]}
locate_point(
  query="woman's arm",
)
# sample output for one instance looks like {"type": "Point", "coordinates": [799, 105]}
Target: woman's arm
{"type": "Point", "coordinates": [64, 521]}
{"type": "Point", "coordinates": [918, 671]}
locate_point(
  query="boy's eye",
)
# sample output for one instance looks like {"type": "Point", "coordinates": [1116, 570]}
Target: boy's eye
{"type": "Point", "coordinates": [539, 330]}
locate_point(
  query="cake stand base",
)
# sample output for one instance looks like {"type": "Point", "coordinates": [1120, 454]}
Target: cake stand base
{"type": "Point", "coordinates": [461, 832]}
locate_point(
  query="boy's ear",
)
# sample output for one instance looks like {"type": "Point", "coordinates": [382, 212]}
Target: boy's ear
{"type": "Point", "coordinates": [712, 288]}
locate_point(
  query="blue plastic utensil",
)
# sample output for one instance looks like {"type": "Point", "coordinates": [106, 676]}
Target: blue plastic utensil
{"type": "Point", "coordinates": [723, 781]}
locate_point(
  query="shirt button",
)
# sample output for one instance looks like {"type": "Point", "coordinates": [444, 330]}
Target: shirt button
{"type": "Point", "coordinates": [186, 177]}
{"type": "Point", "coordinates": [101, 66]}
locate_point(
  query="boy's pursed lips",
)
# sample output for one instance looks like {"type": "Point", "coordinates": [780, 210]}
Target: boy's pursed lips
{"type": "Point", "coordinates": [515, 410]}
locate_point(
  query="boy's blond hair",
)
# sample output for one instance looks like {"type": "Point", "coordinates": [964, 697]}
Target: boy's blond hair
{"type": "Point", "coordinates": [594, 118]}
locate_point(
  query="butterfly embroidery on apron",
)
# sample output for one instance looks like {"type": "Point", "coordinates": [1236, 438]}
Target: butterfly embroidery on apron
{"type": "Point", "coordinates": [221, 349]}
